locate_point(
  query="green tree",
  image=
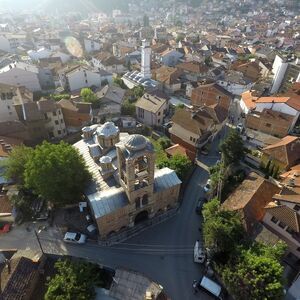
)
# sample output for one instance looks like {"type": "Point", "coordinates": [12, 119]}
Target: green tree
{"type": "Point", "coordinates": [179, 38]}
{"type": "Point", "coordinates": [119, 81]}
{"type": "Point", "coordinates": [60, 97]}
{"type": "Point", "coordinates": [57, 173]}
{"type": "Point", "coordinates": [89, 96]}
{"type": "Point", "coordinates": [181, 164]}
{"type": "Point", "coordinates": [208, 61]}
{"type": "Point", "coordinates": [257, 274]}
{"type": "Point", "coordinates": [128, 108]}
{"type": "Point", "coordinates": [74, 280]}
{"type": "Point", "coordinates": [222, 230]}
{"type": "Point", "coordinates": [138, 91]}
{"type": "Point", "coordinates": [232, 148]}
{"type": "Point", "coordinates": [164, 142]}
{"type": "Point", "coordinates": [15, 164]}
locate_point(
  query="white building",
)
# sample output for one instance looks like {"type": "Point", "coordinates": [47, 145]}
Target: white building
{"type": "Point", "coordinates": [21, 74]}
{"type": "Point", "coordinates": [170, 57]}
{"type": "Point", "coordinates": [10, 42]}
{"type": "Point", "coordinates": [8, 94]}
{"type": "Point", "coordinates": [91, 45]}
{"type": "Point", "coordinates": [278, 69]}
{"type": "Point", "coordinates": [78, 77]}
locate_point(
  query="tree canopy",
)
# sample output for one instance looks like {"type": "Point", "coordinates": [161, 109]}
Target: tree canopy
{"type": "Point", "coordinates": [74, 280]}
{"type": "Point", "coordinates": [258, 272]}
{"type": "Point", "coordinates": [57, 173]}
{"type": "Point", "coordinates": [232, 148]}
{"type": "Point", "coordinates": [89, 96]}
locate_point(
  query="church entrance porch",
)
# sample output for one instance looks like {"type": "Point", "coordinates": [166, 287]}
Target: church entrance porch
{"type": "Point", "coordinates": [141, 217]}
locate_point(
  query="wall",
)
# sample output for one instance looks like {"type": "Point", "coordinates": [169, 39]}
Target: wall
{"type": "Point", "coordinates": [279, 69]}
{"type": "Point", "coordinates": [57, 130]}
{"type": "Point", "coordinates": [281, 107]}
{"type": "Point", "coordinates": [7, 110]}
{"type": "Point", "coordinates": [91, 46]}
{"type": "Point", "coordinates": [78, 80]}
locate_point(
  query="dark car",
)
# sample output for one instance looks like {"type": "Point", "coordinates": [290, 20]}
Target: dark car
{"type": "Point", "coordinates": [201, 201]}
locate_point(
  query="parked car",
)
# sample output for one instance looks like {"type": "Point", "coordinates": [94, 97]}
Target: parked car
{"type": "Point", "coordinates": [199, 205]}
{"type": "Point", "coordinates": [91, 229]}
{"type": "Point", "coordinates": [75, 237]}
{"type": "Point", "coordinates": [240, 127]}
{"type": "Point", "coordinates": [211, 287]}
{"type": "Point", "coordinates": [4, 228]}
{"type": "Point", "coordinates": [207, 186]}
{"type": "Point", "coordinates": [199, 253]}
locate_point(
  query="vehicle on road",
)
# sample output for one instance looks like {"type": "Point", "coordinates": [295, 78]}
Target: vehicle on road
{"type": "Point", "coordinates": [240, 127]}
{"type": "Point", "coordinates": [4, 228]}
{"type": "Point", "coordinates": [211, 287]}
{"type": "Point", "coordinates": [207, 186]}
{"type": "Point", "coordinates": [199, 253]}
{"type": "Point", "coordinates": [75, 238]}
{"type": "Point", "coordinates": [199, 205]}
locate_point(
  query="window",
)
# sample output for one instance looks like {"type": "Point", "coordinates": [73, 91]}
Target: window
{"type": "Point", "coordinates": [145, 200]}
{"type": "Point", "coordinates": [8, 106]}
{"type": "Point", "coordinates": [54, 113]}
{"type": "Point", "coordinates": [158, 121]}
{"type": "Point", "coordinates": [194, 140]}
{"type": "Point", "coordinates": [274, 220]}
{"type": "Point", "coordinates": [140, 113]}
{"type": "Point", "coordinates": [137, 203]}
{"type": "Point", "coordinates": [297, 207]}
{"type": "Point", "coordinates": [64, 130]}
{"type": "Point", "coordinates": [268, 125]}
{"type": "Point", "coordinates": [159, 113]}
{"type": "Point", "coordinates": [56, 122]}
{"type": "Point", "coordinates": [290, 230]}
{"type": "Point", "coordinates": [59, 112]}
{"type": "Point", "coordinates": [59, 132]}
{"type": "Point", "coordinates": [86, 81]}
{"type": "Point", "coordinates": [281, 225]}
{"type": "Point", "coordinates": [191, 138]}
{"type": "Point", "coordinates": [61, 121]}
{"type": "Point", "coordinates": [298, 249]}
{"type": "Point", "coordinates": [46, 116]}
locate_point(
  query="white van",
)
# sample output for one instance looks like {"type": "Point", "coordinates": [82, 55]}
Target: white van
{"type": "Point", "coordinates": [199, 253]}
{"type": "Point", "coordinates": [212, 287]}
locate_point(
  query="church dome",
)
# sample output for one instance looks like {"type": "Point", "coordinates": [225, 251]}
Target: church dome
{"type": "Point", "coordinates": [136, 142]}
{"type": "Point", "coordinates": [108, 129]}
{"type": "Point", "coordinates": [105, 160]}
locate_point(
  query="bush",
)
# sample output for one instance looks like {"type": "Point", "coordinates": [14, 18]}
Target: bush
{"type": "Point", "coordinates": [164, 142]}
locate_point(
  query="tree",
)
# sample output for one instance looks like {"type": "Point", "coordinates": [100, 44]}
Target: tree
{"type": "Point", "coordinates": [15, 164]}
{"type": "Point", "coordinates": [232, 148]}
{"type": "Point", "coordinates": [74, 280]}
{"type": "Point", "coordinates": [90, 97]}
{"type": "Point", "coordinates": [118, 81]}
{"type": "Point", "coordinates": [208, 61]}
{"type": "Point", "coordinates": [57, 173]}
{"type": "Point", "coordinates": [179, 38]}
{"type": "Point", "coordinates": [257, 274]}
{"type": "Point", "coordinates": [138, 91]}
{"type": "Point", "coordinates": [127, 108]}
{"type": "Point", "coordinates": [164, 142]}
{"type": "Point", "coordinates": [181, 164]}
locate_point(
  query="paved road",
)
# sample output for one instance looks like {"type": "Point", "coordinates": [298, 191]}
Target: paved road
{"type": "Point", "coordinates": [163, 252]}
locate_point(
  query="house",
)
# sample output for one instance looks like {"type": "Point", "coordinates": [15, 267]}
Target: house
{"type": "Point", "coordinates": [247, 102]}
{"type": "Point", "coordinates": [15, 129]}
{"type": "Point", "coordinates": [193, 70]}
{"type": "Point", "coordinates": [35, 55]}
{"type": "Point", "coordinates": [10, 95]}
{"type": "Point", "coordinates": [287, 105]}
{"type": "Point", "coordinates": [109, 63]}
{"type": "Point", "coordinates": [282, 217]}
{"type": "Point", "coordinates": [76, 114]}
{"type": "Point", "coordinates": [283, 154]}
{"type": "Point", "coordinates": [21, 74]}
{"type": "Point", "coordinates": [250, 199]}
{"type": "Point", "coordinates": [152, 108]}
{"type": "Point", "coordinates": [126, 188]}
{"type": "Point", "coordinates": [9, 42]}
{"type": "Point", "coordinates": [169, 78]}
{"type": "Point", "coordinates": [271, 122]}
{"type": "Point", "coordinates": [7, 144]}
{"type": "Point", "coordinates": [251, 70]}
{"type": "Point", "coordinates": [74, 78]}
{"type": "Point", "coordinates": [34, 121]}
{"type": "Point", "coordinates": [169, 57]}
{"type": "Point", "coordinates": [176, 149]}
{"type": "Point", "coordinates": [191, 130]}
{"type": "Point", "coordinates": [211, 94]}
{"type": "Point", "coordinates": [111, 98]}
{"type": "Point", "coordinates": [91, 45]}
{"type": "Point", "coordinates": [235, 82]}
{"type": "Point", "coordinates": [18, 278]}
{"type": "Point", "coordinates": [55, 124]}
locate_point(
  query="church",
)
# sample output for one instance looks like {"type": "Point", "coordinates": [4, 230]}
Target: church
{"type": "Point", "coordinates": [126, 187]}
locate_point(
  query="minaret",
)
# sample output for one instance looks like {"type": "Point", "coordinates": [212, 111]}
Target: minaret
{"type": "Point", "coordinates": [146, 60]}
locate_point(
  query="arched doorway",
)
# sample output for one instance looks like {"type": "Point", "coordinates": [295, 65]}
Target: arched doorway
{"type": "Point", "coordinates": [141, 217]}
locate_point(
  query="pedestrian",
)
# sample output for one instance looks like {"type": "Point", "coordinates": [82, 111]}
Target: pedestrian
{"type": "Point", "coordinates": [195, 286]}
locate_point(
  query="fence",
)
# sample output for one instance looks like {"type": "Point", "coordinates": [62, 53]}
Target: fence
{"type": "Point", "coordinates": [124, 235]}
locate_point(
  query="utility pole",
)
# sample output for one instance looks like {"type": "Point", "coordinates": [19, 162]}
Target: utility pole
{"type": "Point", "coordinates": [38, 239]}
